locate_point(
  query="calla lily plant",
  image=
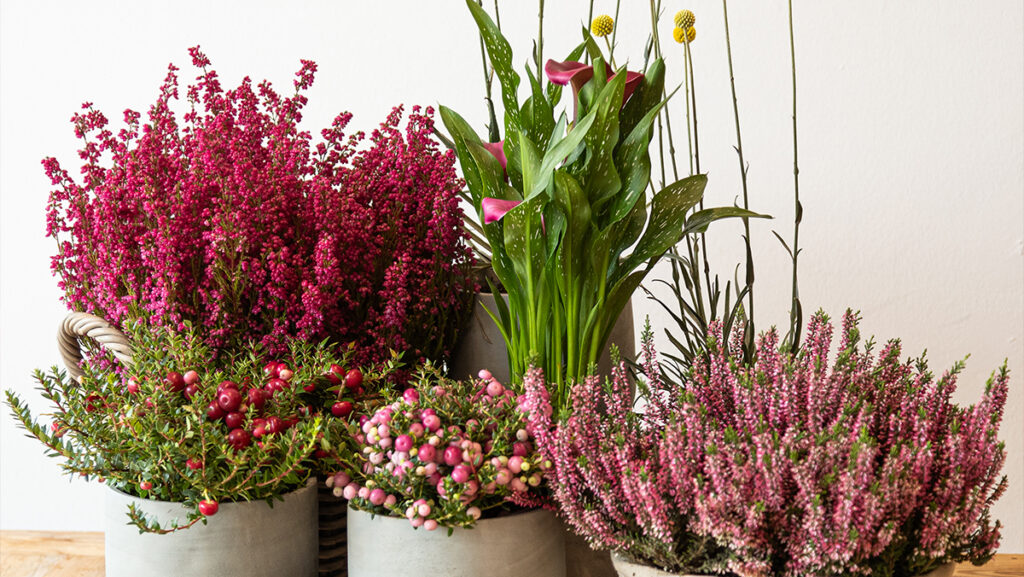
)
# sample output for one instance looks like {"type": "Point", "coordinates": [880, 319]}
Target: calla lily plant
{"type": "Point", "coordinates": [564, 206]}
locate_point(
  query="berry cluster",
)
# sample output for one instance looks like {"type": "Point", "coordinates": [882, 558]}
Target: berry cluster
{"type": "Point", "coordinates": [442, 453]}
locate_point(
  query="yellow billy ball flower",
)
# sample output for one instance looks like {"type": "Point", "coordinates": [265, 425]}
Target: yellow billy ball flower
{"type": "Point", "coordinates": [685, 19]}
{"type": "Point", "coordinates": [602, 25]}
{"type": "Point", "coordinates": [684, 36]}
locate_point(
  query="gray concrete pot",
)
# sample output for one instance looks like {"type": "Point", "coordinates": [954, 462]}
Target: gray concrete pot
{"type": "Point", "coordinates": [582, 561]}
{"type": "Point", "coordinates": [246, 538]}
{"type": "Point", "coordinates": [523, 544]}
{"type": "Point", "coordinates": [482, 347]}
{"type": "Point", "coordinates": [626, 568]}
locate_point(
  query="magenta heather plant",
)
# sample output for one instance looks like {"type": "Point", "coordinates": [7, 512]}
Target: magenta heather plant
{"type": "Point", "coordinates": [233, 219]}
{"type": "Point", "coordinates": [786, 467]}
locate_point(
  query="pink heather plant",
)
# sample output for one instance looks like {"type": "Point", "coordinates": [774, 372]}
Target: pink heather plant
{"type": "Point", "coordinates": [232, 218]}
{"type": "Point", "coordinates": [783, 468]}
{"type": "Point", "coordinates": [443, 453]}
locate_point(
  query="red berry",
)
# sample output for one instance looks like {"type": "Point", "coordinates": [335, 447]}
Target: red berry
{"type": "Point", "coordinates": [259, 431]}
{"type": "Point", "coordinates": [227, 385]}
{"type": "Point", "coordinates": [310, 387]}
{"type": "Point", "coordinates": [257, 398]}
{"type": "Point", "coordinates": [229, 399]}
{"type": "Point", "coordinates": [175, 381]}
{"type": "Point", "coordinates": [276, 385]}
{"type": "Point", "coordinates": [191, 391]}
{"type": "Point", "coordinates": [194, 464]}
{"type": "Point", "coordinates": [191, 377]}
{"type": "Point", "coordinates": [208, 507]}
{"type": "Point", "coordinates": [341, 409]}
{"type": "Point", "coordinates": [271, 370]}
{"type": "Point", "coordinates": [92, 402]}
{"type": "Point", "coordinates": [145, 485]}
{"type": "Point", "coordinates": [133, 386]}
{"type": "Point", "coordinates": [275, 425]}
{"type": "Point", "coordinates": [239, 439]}
{"type": "Point", "coordinates": [353, 379]}
{"type": "Point", "coordinates": [233, 420]}
{"type": "Point", "coordinates": [286, 374]}
{"type": "Point", "coordinates": [214, 412]}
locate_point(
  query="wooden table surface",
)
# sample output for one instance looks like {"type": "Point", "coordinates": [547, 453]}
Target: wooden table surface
{"type": "Point", "coordinates": [47, 554]}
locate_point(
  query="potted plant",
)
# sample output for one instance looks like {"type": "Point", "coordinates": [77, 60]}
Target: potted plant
{"type": "Point", "coordinates": [562, 202]}
{"type": "Point", "coordinates": [187, 440]}
{"type": "Point", "coordinates": [783, 467]}
{"type": "Point", "coordinates": [450, 455]}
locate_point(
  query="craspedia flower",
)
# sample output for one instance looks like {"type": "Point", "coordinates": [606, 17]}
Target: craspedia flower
{"type": "Point", "coordinates": [684, 36]}
{"type": "Point", "coordinates": [602, 25]}
{"type": "Point", "coordinates": [685, 19]}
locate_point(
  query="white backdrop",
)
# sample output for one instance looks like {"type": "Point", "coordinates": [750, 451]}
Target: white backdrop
{"type": "Point", "coordinates": [911, 139]}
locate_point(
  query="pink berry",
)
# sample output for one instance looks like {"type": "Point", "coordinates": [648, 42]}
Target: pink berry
{"type": "Point", "coordinates": [474, 512]}
{"type": "Point", "coordinates": [430, 524]}
{"type": "Point", "coordinates": [515, 464]}
{"type": "Point", "coordinates": [191, 377]}
{"type": "Point", "coordinates": [461, 473]}
{"type": "Point", "coordinates": [423, 509]}
{"type": "Point", "coordinates": [494, 389]}
{"type": "Point", "coordinates": [452, 456]}
{"type": "Point", "coordinates": [377, 497]}
{"type": "Point", "coordinates": [504, 477]}
{"type": "Point", "coordinates": [432, 423]}
{"type": "Point", "coordinates": [403, 443]}
{"type": "Point", "coordinates": [351, 491]}
{"type": "Point", "coordinates": [411, 396]}
{"type": "Point", "coordinates": [341, 479]}
{"type": "Point", "coordinates": [427, 453]}
{"type": "Point", "coordinates": [484, 375]}
{"type": "Point", "coordinates": [520, 449]}
{"type": "Point", "coordinates": [390, 501]}
{"type": "Point", "coordinates": [364, 493]}
{"type": "Point", "coordinates": [417, 522]}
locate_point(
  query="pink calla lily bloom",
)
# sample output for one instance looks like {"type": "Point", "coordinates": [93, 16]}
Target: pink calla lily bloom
{"type": "Point", "coordinates": [578, 74]}
{"type": "Point", "coordinates": [498, 150]}
{"type": "Point", "coordinates": [495, 208]}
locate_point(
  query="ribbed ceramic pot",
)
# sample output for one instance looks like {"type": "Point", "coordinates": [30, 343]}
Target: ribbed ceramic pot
{"type": "Point", "coordinates": [518, 545]}
{"type": "Point", "coordinates": [626, 568]}
{"type": "Point", "coordinates": [482, 346]}
{"type": "Point", "coordinates": [245, 538]}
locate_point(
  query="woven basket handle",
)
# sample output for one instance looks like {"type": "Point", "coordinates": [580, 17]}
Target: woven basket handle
{"type": "Point", "coordinates": [79, 325]}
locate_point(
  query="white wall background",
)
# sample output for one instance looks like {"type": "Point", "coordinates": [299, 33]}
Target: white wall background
{"type": "Point", "coordinates": [911, 138]}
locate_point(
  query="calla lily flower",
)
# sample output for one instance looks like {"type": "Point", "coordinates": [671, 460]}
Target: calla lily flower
{"type": "Point", "coordinates": [578, 74]}
{"type": "Point", "coordinates": [498, 150]}
{"type": "Point", "coordinates": [495, 208]}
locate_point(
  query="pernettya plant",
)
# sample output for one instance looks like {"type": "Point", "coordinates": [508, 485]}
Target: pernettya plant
{"type": "Point", "coordinates": [784, 467]}
{"type": "Point", "coordinates": [564, 207]}
{"type": "Point", "coordinates": [179, 426]}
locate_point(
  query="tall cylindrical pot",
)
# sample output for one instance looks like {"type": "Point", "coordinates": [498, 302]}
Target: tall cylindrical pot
{"type": "Point", "coordinates": [245, 538]}
{"type": "Point", "coordinates": [627, 568]}
{"type": "Point", "coordinates": [482, 346]}
{"type": "Point", "coordinates": [526, 543]}
{"type": "Point", "coordinates": [333, 528]}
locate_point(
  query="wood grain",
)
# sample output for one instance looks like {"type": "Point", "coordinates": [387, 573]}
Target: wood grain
{"type": "Point", "coordinates": [48, 554]}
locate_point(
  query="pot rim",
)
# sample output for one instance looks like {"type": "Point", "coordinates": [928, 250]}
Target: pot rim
{"type": "Point", "coordinates": [519, 512]}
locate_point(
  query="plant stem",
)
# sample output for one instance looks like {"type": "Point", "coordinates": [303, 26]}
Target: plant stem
{"type": "Point", "coordinates": [743, 175]}
{"type": "Point", "coordinates": [795, 312]}
{"type": "Point", "coordinates": [689, 126]}
{"type": "Point", "coordinates": [540, 41]}
{"type": "Point", "coordinates": [590, 19]}
{"type": "Point", "coordinates": [615, 33]}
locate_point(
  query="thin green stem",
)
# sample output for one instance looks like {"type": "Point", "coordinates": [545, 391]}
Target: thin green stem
{"type": "Point", "coordinates": [743, 175]}
{"type": "Point", "coordinates": [590, 19]}
{"type": "Point", "coordinates": [540, 41]}
{"type": "Point", "coordinates": [689, 126]}
{"type": "Point", "coordinates": [611, 52]}
{"type": "Point", "coordinates": [696, 161]}
{"type": "Point", "coordinates": [795, 313]}
{"type": "Point", "coordinates": [615, 32]}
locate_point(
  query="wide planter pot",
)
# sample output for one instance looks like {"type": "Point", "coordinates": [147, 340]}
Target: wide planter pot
{"type": "Point", "coordinates": [626, 568]}
{"type": "Point", "coordinates": [245, 538]}
{"type": "Point", "coordinates": [482, 346]}
{"type": "Point", "coordinates": [526, 543]}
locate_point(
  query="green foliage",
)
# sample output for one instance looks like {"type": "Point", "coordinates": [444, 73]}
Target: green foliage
{"type": "Point", "coordinates": [159, 438]}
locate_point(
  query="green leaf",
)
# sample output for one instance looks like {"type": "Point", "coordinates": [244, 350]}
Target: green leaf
{"type": "Point", "coordinates": [462, 133]}
{"type": "Point", "coordinates": [537, 116]}
{"type": "Point", "coordinates": [524, 240]}
{"type": "Point", "coordinates": [601, 181]}
{"type": "Point", "coordinates": [500, 54]}
{"type": "Point", "coordinates": [633, 160]}
{"type": "Point", "coordinates": [699, 221]}
{"type": "Point", "coordinates": [668, 215]}
{"type": "Point", "coordinates": [646, 97]}
{"type": "Point", "coordinates": [557, 153]}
